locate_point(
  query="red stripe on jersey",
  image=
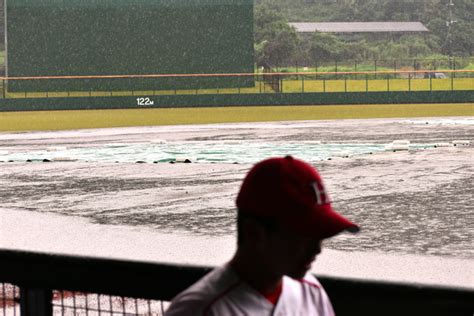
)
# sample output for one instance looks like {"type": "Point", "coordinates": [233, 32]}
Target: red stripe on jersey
{"type": "Point", "coordinates": [219, 296]}
{"type": "Point", "coordinates": [273, 297]}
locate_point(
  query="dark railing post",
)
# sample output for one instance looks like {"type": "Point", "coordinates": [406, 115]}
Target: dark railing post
{"type": "Point", "coordinates": [35, 302]}
{"type": "Point", "coordinates": [454, 66]}
{"type": "Point", "coordinates": [375, 68]}
{"type": "Point", "coordinates": [415, 68]}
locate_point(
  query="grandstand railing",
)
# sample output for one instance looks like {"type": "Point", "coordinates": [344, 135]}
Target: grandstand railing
{"type": "Point", "coordinates": [262, 83]}
{"type": "Point", "coordinates": [46, 284]}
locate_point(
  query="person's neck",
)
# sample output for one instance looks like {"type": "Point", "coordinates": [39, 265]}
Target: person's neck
{"type": "Point", "coordinates": [255, 273]}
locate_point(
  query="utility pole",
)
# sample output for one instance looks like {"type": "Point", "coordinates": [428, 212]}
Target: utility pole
{"type": "Point", "coordinates": [449, 23]}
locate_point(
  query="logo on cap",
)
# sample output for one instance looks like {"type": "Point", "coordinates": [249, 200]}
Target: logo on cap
{"type": "Point", "coordinates": [322, 197]}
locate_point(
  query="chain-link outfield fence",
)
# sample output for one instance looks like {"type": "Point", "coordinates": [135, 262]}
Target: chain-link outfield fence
{"type": "Point", "coordinates": [261, 83]}
{"type": "Point", "coordinates": [46, 284]}
{"type": "Point", "coordinates": [435, 64]}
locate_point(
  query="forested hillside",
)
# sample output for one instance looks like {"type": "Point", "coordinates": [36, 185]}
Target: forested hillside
{"type": "Point", "coordinates": [451, 29]}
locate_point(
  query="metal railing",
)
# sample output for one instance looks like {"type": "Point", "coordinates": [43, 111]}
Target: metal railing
{"type": "Point", "coordinates": [63, 302]}
{"type": "Point", "coordinates": [439, 64]}
{"type": "Point", "coordinates": [69, 285]}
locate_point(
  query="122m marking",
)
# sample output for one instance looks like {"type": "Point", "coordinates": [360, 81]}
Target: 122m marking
{"type": "Point", "coordinates": [145, 101]}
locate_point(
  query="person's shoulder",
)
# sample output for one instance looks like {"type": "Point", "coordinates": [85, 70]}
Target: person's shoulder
{"type": "Point", "coordinates": [199, 298]}
{"type": "Point", "coordinates": [308, 295]}
{"type": "Point", "coordinates": [311, 281]}
{"type": "Point", "coordinates": [308, 285]}
{"type": "Point", "coordinates": [308, 280]}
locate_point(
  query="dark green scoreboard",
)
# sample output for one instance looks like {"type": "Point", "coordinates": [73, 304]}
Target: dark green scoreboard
{"type": "Point", "coordinates": [128, 37]}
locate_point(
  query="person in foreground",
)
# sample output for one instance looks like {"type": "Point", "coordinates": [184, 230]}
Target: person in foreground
{"type": "Point", "coordinates": [284, 214]}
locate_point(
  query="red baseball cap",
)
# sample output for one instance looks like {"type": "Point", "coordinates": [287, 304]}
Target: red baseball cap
{"type": "Point", "coordinates": [291, 191]}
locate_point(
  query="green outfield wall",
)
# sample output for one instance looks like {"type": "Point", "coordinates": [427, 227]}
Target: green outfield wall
{"type": "Point", "coordinates": [219, 100]}
{"type": "Point", "coordinates": [128, 37]}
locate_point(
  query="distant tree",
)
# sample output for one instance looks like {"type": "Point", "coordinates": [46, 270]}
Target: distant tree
{"type": "Point", "coordinates": [275, 41]}
{"type": "Point", "coordinates": [438, 32]}
{"type": "Point", "coordinates": [360, 50]}
{"type": "Point", "coordinates": [325, 47]}
{"type": "Point", "coordinates": [415, 46]}
{"type": "Point", "coordinates": [358, 10]}
{"type": "Point", "coordinates": [392, 50]}
{"type": "Point", "coordinates": [407, 10]}
{"type": "Point", "coordinates": [259, 53]}
{"type": "Point", "coordinates": [461, 41]}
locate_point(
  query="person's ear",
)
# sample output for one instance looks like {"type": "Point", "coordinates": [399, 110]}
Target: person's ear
{"type": "Point", "coordinates": [254, 232]}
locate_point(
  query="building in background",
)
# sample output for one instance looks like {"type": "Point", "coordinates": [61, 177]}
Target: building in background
{"type": "Point", "coordinates": [355, 30]}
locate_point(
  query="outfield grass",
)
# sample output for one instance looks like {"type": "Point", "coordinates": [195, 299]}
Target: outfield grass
{"type": "Point", "coordinates": [294, 86]}
{"type": "Point", "coordinates": [64, 120]}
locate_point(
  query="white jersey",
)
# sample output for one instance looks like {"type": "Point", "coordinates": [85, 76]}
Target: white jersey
{"type": "Point", "coordinates": [222, 293]}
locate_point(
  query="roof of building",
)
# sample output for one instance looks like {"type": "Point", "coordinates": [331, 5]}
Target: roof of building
{"type": "Point", "coordinates": [359, 27]}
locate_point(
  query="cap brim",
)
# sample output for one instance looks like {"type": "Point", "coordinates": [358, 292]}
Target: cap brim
{"type": "Point", "coordinates": [322, 223]}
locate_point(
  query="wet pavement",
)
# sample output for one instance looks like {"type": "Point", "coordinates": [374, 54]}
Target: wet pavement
{"type": "Point", "coordinates": [408, 202]}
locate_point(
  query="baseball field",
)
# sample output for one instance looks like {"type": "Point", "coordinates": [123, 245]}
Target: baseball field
{"type": "Point", "coordinates": [80, 119]}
